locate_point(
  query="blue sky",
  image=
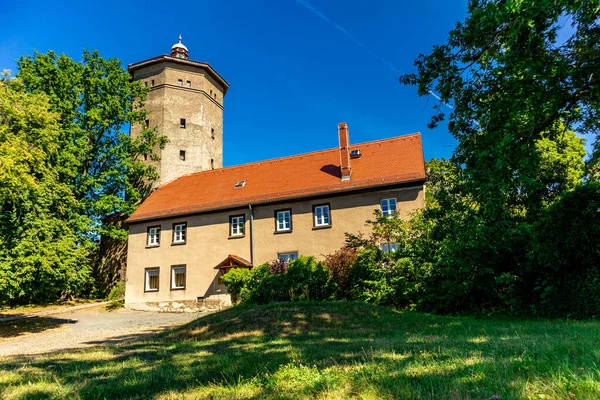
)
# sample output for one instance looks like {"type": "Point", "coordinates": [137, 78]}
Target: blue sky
{"type": "Point", "coordinates": [295, 72]}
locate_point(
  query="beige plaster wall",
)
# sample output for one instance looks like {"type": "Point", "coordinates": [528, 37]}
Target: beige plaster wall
{"type": "Point", "coordinates": [208, 241]}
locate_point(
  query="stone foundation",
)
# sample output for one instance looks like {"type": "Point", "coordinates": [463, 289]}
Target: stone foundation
{"type": "Point", "coordinates": [212, 303]}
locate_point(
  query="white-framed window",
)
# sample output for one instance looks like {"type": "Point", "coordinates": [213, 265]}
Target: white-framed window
{"type": "Point", "coordinates": [389, 247]}
{"type": "Point", "coordinates": [287, 257]}
{"type": "Point", "coordinates": [188, 83]}
{"type": "Point", "coordinates": [237, 225]}
{"type": "Point", "coordinates": [178, 277]}
{"type": "Point", "coordinates": [284, 221]}
{"type": "Point", "coordinates": [153, 236]}
{"type": "Point", "coordinates": [322, 217]}
{"type": "Point", "coordinates": [152, 276]}
{"type": "Point", "coordinates": [388, 206]}
{"type": "Point", "coordinates": [179, 82]}
{"type": "Point", "coordinates": [179, 232]}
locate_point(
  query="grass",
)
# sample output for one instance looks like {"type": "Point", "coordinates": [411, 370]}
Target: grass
{"type": "Point", "coordinates": [326, 350]}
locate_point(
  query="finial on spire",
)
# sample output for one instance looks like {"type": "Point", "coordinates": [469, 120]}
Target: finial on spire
{"type": "Point", "coordinates": [179, 50]}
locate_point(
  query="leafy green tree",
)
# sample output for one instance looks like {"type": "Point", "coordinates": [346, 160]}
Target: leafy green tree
{"type": "Point", "coordinates": [95, 99]}
{"type": "Point", "coordinates": [512, 81]}
{"type": "Point", "coordinates": [41, 254]}
{"type": "Point", "coordinates": [519, 94]}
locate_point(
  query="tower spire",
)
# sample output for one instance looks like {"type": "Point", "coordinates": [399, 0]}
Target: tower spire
{"type": "Point", "coordinates": [179, 50]}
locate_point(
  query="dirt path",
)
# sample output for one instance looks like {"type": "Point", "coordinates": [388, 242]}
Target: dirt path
{"type": "Point", "coordinates": [83, 328]}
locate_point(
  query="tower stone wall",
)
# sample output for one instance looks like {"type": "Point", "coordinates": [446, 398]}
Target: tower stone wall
{"type": "Point", "coordinates": [185, 104]}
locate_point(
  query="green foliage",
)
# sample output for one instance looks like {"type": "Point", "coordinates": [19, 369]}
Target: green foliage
{"type": "Point", "coordinates": [95, 99]}
{"type": "Point", "coordinates": [302, 279]}
{"type": "Point", "coordinates": [116, 296]}
{"type": "Point", "coordinates": [42, 255]}
{"type": "Point", "coordinates": [236, 280]}
{"type": "Point", "coordinates": [518, 97]}
{"type": "Point", "coordinates": [65, 164]}
{"type": "Point", "coordinates": [565, 256]}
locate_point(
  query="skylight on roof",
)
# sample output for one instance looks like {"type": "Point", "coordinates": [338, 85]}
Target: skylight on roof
{"type": "Point", "coordinates": [240, 184]}
{"type": "Point", "coordinates": [354, 153]}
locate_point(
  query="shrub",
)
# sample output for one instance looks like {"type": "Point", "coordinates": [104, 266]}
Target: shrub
{"type": "Point", "coordinates": [303, 279]}
{"type": "Point", "coordinates": [307, 279]}
{"type": "Point", "coordinates": [116, 296]}
{"type": "Point", "coordinates": [565, 256]}
{"type": "Point", "coordinates": [339, 265]}
{"type": "Point", "coordinates": [236, 280]}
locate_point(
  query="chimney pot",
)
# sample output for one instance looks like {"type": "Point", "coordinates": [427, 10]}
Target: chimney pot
{"type": "Point", "coordinates": [346, 171]}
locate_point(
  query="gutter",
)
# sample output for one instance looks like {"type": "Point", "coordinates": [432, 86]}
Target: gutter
{"type": "Point", "coordinates": [251, 234]}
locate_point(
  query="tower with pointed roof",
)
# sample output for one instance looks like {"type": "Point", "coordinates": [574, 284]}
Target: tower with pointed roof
{"type": "Point", "coordinates": [185, 104]}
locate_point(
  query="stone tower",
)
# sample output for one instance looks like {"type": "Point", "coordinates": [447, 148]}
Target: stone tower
{"type": "Point", "coordinates": [185, 104]}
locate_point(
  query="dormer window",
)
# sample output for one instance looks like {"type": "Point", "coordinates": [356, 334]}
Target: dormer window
{"type": "Point", "coordinates": [240, 184]}
{"type": "Point", "coordinates": [355, 153]}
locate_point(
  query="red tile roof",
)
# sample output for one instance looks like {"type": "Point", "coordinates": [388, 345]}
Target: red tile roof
{"type": "Point", "coordinates": [382, 162]}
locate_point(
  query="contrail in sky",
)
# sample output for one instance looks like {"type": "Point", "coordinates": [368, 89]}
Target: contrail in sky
{"type": "Point", "coordinates": [391, 66]}
{"type": "Point", "coordinates": [319, 14]}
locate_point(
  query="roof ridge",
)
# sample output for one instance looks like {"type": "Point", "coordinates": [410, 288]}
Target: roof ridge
{"type": "Point", "coordinates": [233, 167]}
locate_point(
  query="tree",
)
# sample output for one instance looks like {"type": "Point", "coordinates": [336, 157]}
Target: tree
{"type": "Point", "coordinates": [95, 99]}
{"type": "Point", "coordinates": [41, 254]}
{"type": "Point", "coordinates": [519, 94]}
{"type": "Point", "coordinates": [513, 81]}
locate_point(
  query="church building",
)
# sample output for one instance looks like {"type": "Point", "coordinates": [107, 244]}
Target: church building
{"type": "Point", "coordinates": [203, 219]}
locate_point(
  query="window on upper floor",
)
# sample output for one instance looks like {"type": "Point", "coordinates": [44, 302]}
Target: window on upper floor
{"type": "Point", "coordinates": [182, 123]}
{"type": "Point", "coordinates": [182, 155]}
{"type": "Point", "coordinates": [153, 239]}
{"type": "Point", "coordinates": [287, 257]}
{"type": "Point", "coordinates": [188, 83]}
{"type": "Point", "coordinates": [236, 225]}
{"type": "Point", "coordinates": [388, 206]}
{"type": "Point", "coordinates": [212, 163]}
{"type": "Point", "coordinates": [152, 82]}
{"type": "Point", "coordinates": [179, 82]}
{"type": "Point", "coordinates": [178, 277]}
{"type": "Point", "coordinates": [147, 123]}
{"type": "Point", "coordinates": [151, 279]}
{"type": "Point", "coordinates": [283, 220]}
{"type": "Point", "coordinates": [212, 133]}
{"type": "Point", "coordinates": [179, 233]}
{"type": "Point", "coordinates": [322, 217]}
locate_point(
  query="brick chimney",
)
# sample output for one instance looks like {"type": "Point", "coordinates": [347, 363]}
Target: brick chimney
{"type": "Point", "coordinates": [344, 151]}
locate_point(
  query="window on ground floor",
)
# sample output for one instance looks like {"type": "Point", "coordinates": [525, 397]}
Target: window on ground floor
{"type": "Point", "coordinates": [178, 277]}
{"type": "Point", "coordinates": [152, 277]}
{"type": "Point", "coordinates": [287, 257]}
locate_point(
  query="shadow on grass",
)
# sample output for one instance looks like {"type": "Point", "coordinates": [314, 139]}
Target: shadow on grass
{"type": "Point", "coordinates": [20, 327]}
{"type": "Point", "coordinates": [309, 350]}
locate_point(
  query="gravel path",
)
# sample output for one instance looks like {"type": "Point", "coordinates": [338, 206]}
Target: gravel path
{"type": "Point", "coordinates": [90, 327]}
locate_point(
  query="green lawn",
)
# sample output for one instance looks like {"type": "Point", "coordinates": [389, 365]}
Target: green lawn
{"type": "Point", "coordinates": [326, 350]}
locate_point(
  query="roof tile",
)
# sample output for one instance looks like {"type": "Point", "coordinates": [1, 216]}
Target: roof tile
{"type": "Point", "coordinates": [382, 162]}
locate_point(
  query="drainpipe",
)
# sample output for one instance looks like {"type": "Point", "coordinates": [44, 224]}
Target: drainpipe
{"type": "Point", "coordinates": [251, 234]}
